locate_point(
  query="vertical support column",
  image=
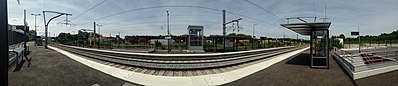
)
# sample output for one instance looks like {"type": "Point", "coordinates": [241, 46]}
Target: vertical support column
{"type": "Point", "coordinates": [202, 36]}
{"type": "Point", "coordinates": [315, 39]}
{"type": "Point", "coordinates": [45, 33]}
{"type": "Point", "coordinates": [327, 49]}
{"type": "Point", "coordinates": [311, 46]}
{"type": "Point", "coordinates": [118, 41]}
{"type": "Point", "coordinates": [4, 43]}
{"type": "Point", "coordinates": [168, 33]}
{"type": "Point", "coordinates": [25, 37]}
{"type": "Point", "coordinates": [223, 28]}
{"type": "Point", "coordinates": [359, 41]}
{"type": "Point", "coordinates": [189, 39]}
{"type": "Point", "coordinates": [94, 41]}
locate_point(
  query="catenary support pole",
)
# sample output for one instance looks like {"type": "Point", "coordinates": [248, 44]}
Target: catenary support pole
{"type": "Point", "coordinates": [168, 33]}
{"type": "Point", "coordinates": [95, 37]}
{"type": "Point", "coordinates": [223, 28]}
{"type": "Point", "coordinates": [45, 31]}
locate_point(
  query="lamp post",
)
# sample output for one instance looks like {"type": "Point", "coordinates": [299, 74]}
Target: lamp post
{"type": "Point", "coordinates": [35, 26]}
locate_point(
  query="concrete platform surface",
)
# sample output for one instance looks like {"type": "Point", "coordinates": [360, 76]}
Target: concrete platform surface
{"type": "Point", "coordinates": [50, 68]}
{"type": "Point", "coordinates": [295, 71]}
{"type": "Point", "coordinates": [202, 80]}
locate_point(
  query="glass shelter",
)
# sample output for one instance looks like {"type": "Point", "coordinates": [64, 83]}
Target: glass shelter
{"type": "Point", "coordinates": [195, 38]}
{"type": "Point", "coordinates": [319, 40]}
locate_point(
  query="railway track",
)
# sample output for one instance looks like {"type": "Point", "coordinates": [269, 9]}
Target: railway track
{"type": "Point", "coordinates": [178, 64]}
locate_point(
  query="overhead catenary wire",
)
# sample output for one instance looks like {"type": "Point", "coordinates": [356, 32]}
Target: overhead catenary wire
{"type": "Point", "coordinates": [113, 22]}
{"type": "Point", "coordinates": [158, 22]}
{"type": "Point", "coordinates": [280, 18]}
{"type": "Point", "coordinates": [88, 10]}
{"type": "Point", "coordinates": [266, 10]}
{"type": "Point", "coordinates": [154, 27]}
{"type": "Point", "coordinates": [153, 17]}
{"type": "Point", "coordinates": [182, 6]}
{"type": "Point", "coordinates": [147, 8]}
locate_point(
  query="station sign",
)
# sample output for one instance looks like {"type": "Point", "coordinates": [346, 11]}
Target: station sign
{"type": "Point", "coordinates": [354, 33]}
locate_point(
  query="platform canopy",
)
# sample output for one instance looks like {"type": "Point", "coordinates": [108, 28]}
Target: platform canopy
{"type": "Point", "coordinates": [305, 28]}
{"type": "Point", "coordinates": [317, 31]}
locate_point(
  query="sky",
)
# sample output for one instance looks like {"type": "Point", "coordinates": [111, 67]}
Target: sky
{"type": "Point", "coordinates": [149, 17]}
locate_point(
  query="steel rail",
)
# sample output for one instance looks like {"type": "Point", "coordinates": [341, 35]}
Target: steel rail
{"type": "Point", "coordinates": [176, 60]}
{"type": "Point", "coordinates": [178, 64]}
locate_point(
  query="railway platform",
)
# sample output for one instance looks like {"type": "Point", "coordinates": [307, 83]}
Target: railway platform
{"type": "Point", "coordinates": [50, 68]}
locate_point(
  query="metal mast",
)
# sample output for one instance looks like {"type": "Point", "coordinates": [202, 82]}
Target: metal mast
{"type": "Point", "coordinates": [46, 23]}
{"type": "Point", "coordinates": [168, 33]}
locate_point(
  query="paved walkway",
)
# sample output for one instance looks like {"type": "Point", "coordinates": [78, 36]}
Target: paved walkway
{"type": "Point", "coordinates": [50, 68]}
{"type": "Point", "coordinates": [296, 72]}
{"type": "Point", "coordinates": [385, 79]}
